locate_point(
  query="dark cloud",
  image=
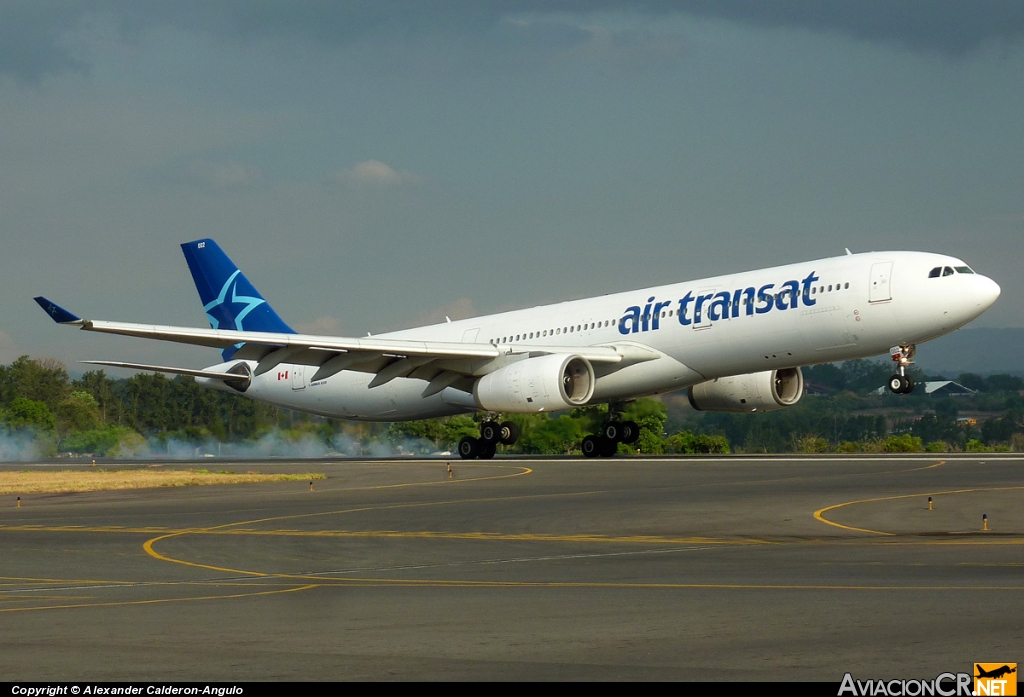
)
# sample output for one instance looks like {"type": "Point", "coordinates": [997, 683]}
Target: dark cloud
{"type": "Point", "coordinates": [30, 30]}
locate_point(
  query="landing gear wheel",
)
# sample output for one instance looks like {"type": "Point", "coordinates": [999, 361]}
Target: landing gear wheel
{"type": "Point", "coordinates": [897, 383]}
{"type": "Point", "coordinates": [630, 432]}
{"type": "Point", "coordinates": [490, 431]}
{"type": "Point", "coordinates": [910, 384]}
{"type": "Point", "coordinates": [509, 433]}
{"type": "Point", "coordinates": [487, 451]}
{"type": "Point", "coordinates": [591, 446]}
{"type": "Point", "coordinates": [469, 448]}
{"type": "Point", "coordinates": [608, 447]}
{"type": "Point", "coordinates": [612, 430]}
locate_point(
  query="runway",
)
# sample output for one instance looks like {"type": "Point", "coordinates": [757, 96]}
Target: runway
{"type": "Point", "coordinates": [728, 568]}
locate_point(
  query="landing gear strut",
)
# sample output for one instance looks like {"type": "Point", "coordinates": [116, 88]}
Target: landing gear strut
{"type": "Point", "coordinates": [491, 434]}
{"type": "Point", "coordinates": [900, 382]}
{"type": "Point", "coordinates": [613, 432]}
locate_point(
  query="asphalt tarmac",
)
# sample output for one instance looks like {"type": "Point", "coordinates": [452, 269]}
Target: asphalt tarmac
{"type": "Point", "coordinates": [699, 568]}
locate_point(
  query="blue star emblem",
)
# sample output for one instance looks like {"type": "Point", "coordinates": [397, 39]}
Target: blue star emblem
{"type": "Point", "coordinates": [218, 311]}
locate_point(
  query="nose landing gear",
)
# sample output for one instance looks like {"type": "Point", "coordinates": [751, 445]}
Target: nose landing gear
{"type": "Point", "coordinates": [900, 382]}
{"type": "Point", "coordinates": [491, 434]}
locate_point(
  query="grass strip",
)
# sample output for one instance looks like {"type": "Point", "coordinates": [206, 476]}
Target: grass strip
{"type": "Point", "coordinates": [68, 481]}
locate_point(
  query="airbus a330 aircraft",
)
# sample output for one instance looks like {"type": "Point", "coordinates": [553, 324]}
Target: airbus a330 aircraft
{"type": "Point", "coordinates": [735, 342]}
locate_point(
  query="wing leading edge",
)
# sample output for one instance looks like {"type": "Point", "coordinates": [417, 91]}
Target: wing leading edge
{"type": "Point", "coordinates": [388, 358]}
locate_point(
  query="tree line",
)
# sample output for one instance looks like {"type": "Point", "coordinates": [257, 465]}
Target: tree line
{"type": "Point", "coordinates": [43, 413]}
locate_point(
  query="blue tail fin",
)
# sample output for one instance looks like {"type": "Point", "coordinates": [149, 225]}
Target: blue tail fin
{"type": "Point", "coordinates": [230, 301]}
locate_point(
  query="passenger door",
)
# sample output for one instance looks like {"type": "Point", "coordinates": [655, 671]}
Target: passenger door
{"type": "Point", "coordinates": [881, 278]}
{"type": "Point", "coordinates": [298, 377]}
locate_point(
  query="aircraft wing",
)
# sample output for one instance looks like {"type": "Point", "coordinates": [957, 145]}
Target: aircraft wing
{"type": "Point", "coordinates": [389, 358]}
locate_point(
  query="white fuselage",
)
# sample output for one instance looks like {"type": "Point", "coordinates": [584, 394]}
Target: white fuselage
{"type": "Point", "coordinates": [834, 309]}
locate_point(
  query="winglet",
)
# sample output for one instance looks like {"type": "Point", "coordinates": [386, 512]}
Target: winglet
{"type": "Point", "coordinates": [58, 313]}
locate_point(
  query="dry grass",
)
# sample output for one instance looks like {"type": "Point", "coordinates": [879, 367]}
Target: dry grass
{"type": "Point", "coordinates": [66, 481]}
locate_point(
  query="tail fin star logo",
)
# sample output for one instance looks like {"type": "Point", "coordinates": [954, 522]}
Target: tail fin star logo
{"type": "Point", "coordinates": [225, 315]}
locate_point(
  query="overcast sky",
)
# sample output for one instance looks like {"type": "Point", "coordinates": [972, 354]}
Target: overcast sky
{"type": "Point", "coordinates": [372, 165]}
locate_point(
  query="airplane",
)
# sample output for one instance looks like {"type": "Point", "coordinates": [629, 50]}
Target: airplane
{"type": "Point", "coordinates": [995, 673]}
{"type": "Point", "coordinates": [736, 343]}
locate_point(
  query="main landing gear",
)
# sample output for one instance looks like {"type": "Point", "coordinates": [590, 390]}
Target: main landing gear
{"type": "Point", "coordinates": [491, 434]}
{"type": "Point", "coordinates": [613, 432]}
{"type": "Point", "coordinates": [900, 382]}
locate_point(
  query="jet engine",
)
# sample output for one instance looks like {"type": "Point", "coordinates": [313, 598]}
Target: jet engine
{"type": "Point", "coordinates": [544, 383]}
{"type": "Point", "coordinates": [767, 391]}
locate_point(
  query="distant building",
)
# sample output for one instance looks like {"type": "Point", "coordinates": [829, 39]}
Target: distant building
{"type": "Point", "coordinates": [938, 388]}
{"type": "Point", "coordinates": [814, 389]}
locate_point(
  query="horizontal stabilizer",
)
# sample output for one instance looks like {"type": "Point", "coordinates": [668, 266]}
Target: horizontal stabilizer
{"type": "Point", "coordinates": [173, 371]}
{"type": "Point", "coordinates": [58, 313]}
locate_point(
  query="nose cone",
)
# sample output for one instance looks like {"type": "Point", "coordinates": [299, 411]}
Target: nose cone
{"type": "Point", "coordinates": [986, 292]}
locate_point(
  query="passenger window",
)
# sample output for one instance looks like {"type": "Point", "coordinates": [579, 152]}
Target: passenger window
{"type": "Point", "coordinates": [964, 269]}
{"type": "Point", "coordinates": [947, 271]}
{"type": "Point", "coordinates": [846, 286]}
{"type": "Point", "coordinates": [935, 273]}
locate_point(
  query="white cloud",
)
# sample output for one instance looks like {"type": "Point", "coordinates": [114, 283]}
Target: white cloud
{"type": "Point", "coordinates": [375, 173]}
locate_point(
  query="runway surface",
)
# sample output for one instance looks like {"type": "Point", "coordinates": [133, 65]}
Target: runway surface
{"type": "Point", "coordinates": [697, 568]}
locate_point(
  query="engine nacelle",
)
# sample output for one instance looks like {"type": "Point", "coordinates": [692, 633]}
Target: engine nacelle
{"type": "Point", "coordinates": [767, 391]}
{"type": "Point", "coordinates": [544, 383]}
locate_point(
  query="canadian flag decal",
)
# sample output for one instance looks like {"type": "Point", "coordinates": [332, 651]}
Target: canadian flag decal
{"type": "Point", "coordinates": [282, 375]}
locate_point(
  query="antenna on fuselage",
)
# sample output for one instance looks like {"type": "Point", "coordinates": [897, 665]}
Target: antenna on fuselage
{"type": "Point", "coordinates": [848, 252]}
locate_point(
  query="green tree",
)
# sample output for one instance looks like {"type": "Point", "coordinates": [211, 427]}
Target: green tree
{"type": "Point", "coordinates": [548, 435]}
{"type": "Point", "coordinates": [905, 443]}
{"type": "Point", "coordinates": [102, 389]}
{"type": "Point", "coordinates": [691, 443]}
{"type": "Point", "coordinates": [43, 380]}
{"type": "Point", "coordinates": [79, 412]}
{"type": "Point", "coordinates": [26, 413]}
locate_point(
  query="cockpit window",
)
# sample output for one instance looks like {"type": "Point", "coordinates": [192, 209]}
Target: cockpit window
{"type": "Point", "coordinates": [947, 271]}
{"type": "Point", "coordinates": [935, 273]}
{"type": "Point", "coordinates": [964, 269]}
